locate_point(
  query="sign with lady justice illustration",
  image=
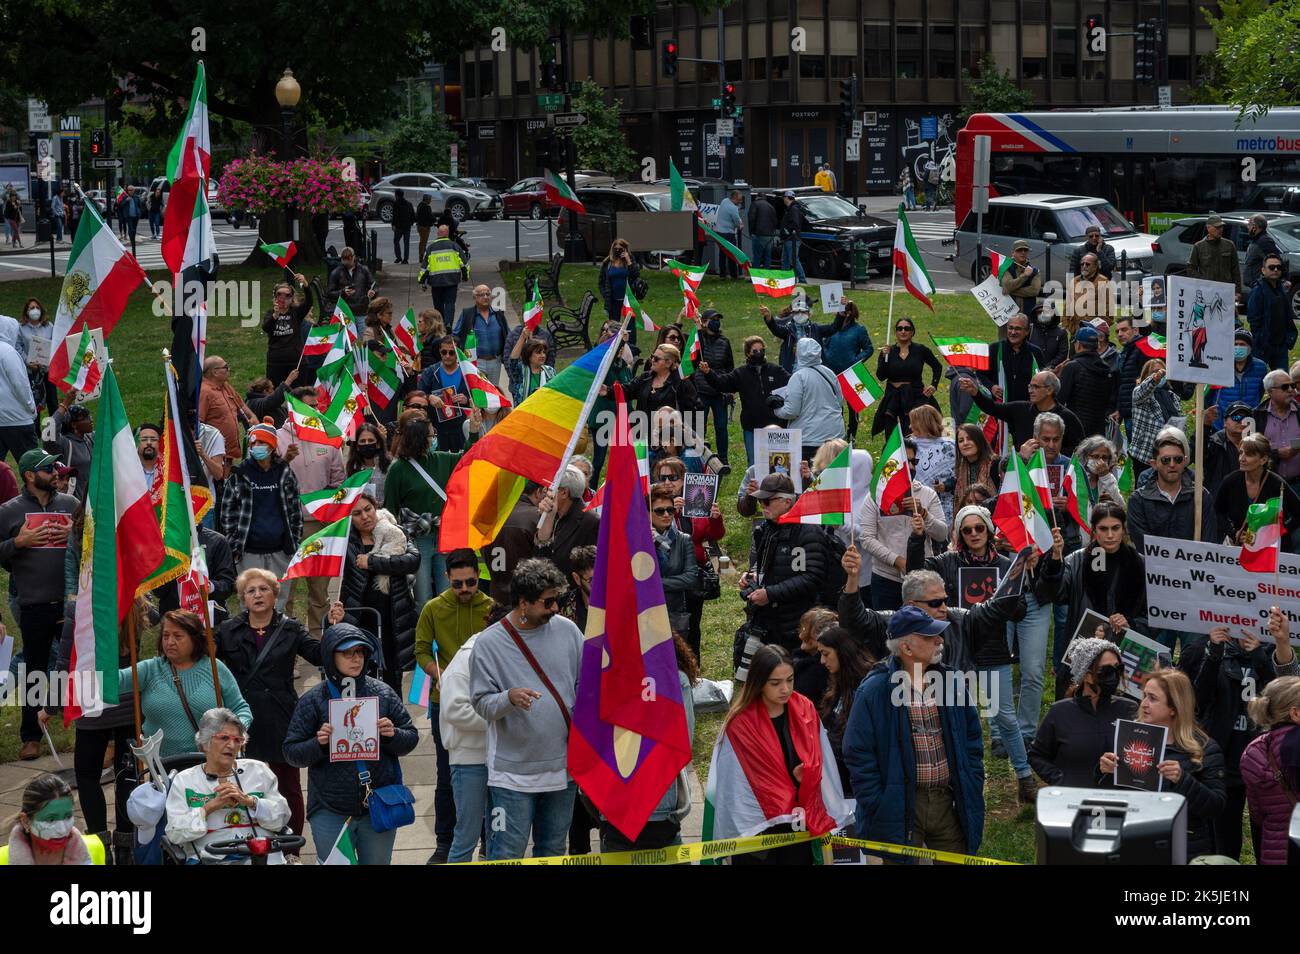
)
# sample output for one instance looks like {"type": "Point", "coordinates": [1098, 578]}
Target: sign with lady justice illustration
{"type": "Point", "coordinates": [1200, 327]}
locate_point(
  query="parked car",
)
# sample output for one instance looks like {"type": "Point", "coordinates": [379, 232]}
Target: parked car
{"type": "Point", "coordinates": [1058, 222]}
{"type": "Point", "coordinates": [527, 197]}
{"type": "Point", "coordinates": [460, 197]}
{"type": "Point", "coordinates": [488, 183]}
{"type": "Point", "coordinates": [1275, 197]}
{"type": "Point", "coordinates": [833, 226]}
{"type": "Point", "coordinates": [598, 226]}
{"type": "Point", "coordinates": [100, 198]}
{"type": "Point", "coordinates": [1173, 248]}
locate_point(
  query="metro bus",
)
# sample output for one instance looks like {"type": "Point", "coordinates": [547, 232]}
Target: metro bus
{"type": "Point", "coordinates": [1152, 164]}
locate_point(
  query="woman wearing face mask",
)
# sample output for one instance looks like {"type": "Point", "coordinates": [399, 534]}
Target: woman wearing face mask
{"type": "Point", "coordinates": [260, 511]}
{"type": "Point", "coordinates": [716, 350]}
{"type": "Point", "coordinates": [754, 381]}
{"type": "Point", "coordinates": [1049, 337]}
{"type": "Point", "coordinates": [847, 662]}
{"type": "Point", "coordinates": [1111, 583]}
{"type": "Point", "coordinates": [283, 326]}
{"type": "Point", "coordinates": [1193, 762]}
{"type": "Point", "coordinates": [36, 322]}
{"type": "Point", "coordinates": [774, 733]}
{"type": "Point", "coordinates": [1226, 670]}
{"type": "Point", "coordinates": [44, 832]}
{"type": "Point", "coordinates": [379, 559]}
{"type": "Point", "coordinates": [900, 368]}
{"type": "Point", "coordinates": [1077, 731]}
{"type": "Point", "coordinates": [1098, 456]}
{"type": "Point", "coordinates": [1271, 767]}
{"type": "Point", "coordinates": [369, 451]}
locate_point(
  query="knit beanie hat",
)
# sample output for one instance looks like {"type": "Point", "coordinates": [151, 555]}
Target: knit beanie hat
{"type": "Point", "coordinates": [974, 510]}
{"type": "Point", "coordinates": [1084, 652]}
{"type": "Point", "coordinates": [264, 432]}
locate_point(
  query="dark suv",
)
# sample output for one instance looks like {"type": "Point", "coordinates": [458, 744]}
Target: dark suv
{"type": "Point", "coordinates": [831, 226]}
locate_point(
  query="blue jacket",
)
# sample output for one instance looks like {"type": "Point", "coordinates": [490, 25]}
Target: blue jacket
{"type": "Point", "coordinates": [1271, 321]}
{"type": "Point", "coordinates": [1247, 386]}
{"type": "Point", "coordinates": [881, 762]}
{"type": "Point", "coordinates": [846, 348]}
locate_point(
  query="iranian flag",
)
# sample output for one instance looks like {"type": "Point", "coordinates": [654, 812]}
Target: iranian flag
{"type": "Point", "coordinates": [860, 389]}
{"type": "Point", "coordinates": [679, 197]}
{"type": "Point", "coordinates": [100, 277]}
{"type": "Point", "coordinates": [633, 312]}
{"type": "Point", "coordinates": [533, 307]}
{"type": "Point", "coordinates": [282, 252]}
{"type": "Point", "coordinates": [1153, 346]}
{"type": "Point", "coordinates": [642, 469]}
{"type": "Point", "coordinates": [559, 193]}
{"type": "Point", "coordinates": [1019, 512]}
{"type": "Point", "coordinates": [407, 335]}
{"type": "Point", "coordinates": [320, 338]}
{"type": "Point", "coordinates": [311, 425]}
{"type": "Point", "coordinates": [691, 356]}
{"type": "Point", "coordinates": [1038, 477]}
{"type": "Point", "coordinates": [1078, 502]}
{"type": "Point", "coordinates": [187, 224]}
{"type": "Point", "coordinates": [828, 501]}
{"type": "Point", "coordinates": [121, 546]}
{"type": "Point", "coordinates": [338, 360]}
{"type": "Point", "coordinates": [1125, 478]}
{"type": "Point", "coordinates": [482, 392]}
{"type": "Point", "coordinates": [343, 853]}
{"type": "Point", "coordinates": [964, 352]}
{"type": "Point", "coordinates": [772, 282]}
{"type": "Point", "coordinates": [347, 409]}
{"type": "Point", "coordinates": [384, 379]}
{"type": "Point", "coordinates": [999, 264]}
{"type": "Point", "coordinates": [1263, 543]}
{"type": "Point", "coordinates": [335, 503]}
{"type": "Point", "coordinates": [907, 261]}
{"type": "Point", "coordinates": [688, 279]}
{"type": "Point", "coordinates": [84, 370]}
{"type": "Point", "coordinates": [322, 553]}
{"type": "Point", "coordinates": [893, 479]}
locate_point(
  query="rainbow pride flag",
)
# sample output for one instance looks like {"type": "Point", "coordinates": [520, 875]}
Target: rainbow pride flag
{"type": "Point", "coordinates": [534, 442]}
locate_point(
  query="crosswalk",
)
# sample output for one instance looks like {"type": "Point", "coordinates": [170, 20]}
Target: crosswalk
{"type": "Point", "coordinates": [232, 246]}
{"type": "Point", "coordinates": [931, 231]}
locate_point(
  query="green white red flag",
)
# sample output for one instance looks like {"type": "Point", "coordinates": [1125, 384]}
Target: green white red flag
{"type": "Point", "coordinates": [964, 352]}
{"type": "Point", "coordinates": [310, 425]}
{"type": "Point", "coordinates": [908, 262]}
{"type": "Point", "coordinates": [100, 277]}
{"type": "Point", "coordinates": [338, 359]}
{"type": "Point", "coordinates": [406, 332]}
{"type": "Point", "coordinates": [772, 282]}
{"type": "Point", "coordinates": [828, 500]}
{"type": "Point", "coordinates": [121, 546]}
{"type": "Point", "coordinates": [892, 480]}
{"type": "Point", "coordinates": [282, 252]}
{"type": "Point", "coordinates": [84, 371]}
{"type": "Point", "coordinates": [533, 307]}
{"type": "Point", "coordinates": [1078, 500]}
{"type": "Point", "coordinates": [634, 313]}
{"type": "Point", "coordinates": [859, 388]}
{"type": "Point", "coordinates": [335, 503]}
{"type": "Point", "coordinates": [347, 408]}
{"type": "Point", "coordinates": [482, 392]}
{"type": "Point", "coordinates": [558, 192]}
{"type": "Point", "coordinates": [691, 356]}
{"type": "Point", "coordinates": [1019, 512]}
{"type": "Point", "coordinates": [643, 471]}
{"type": "Point", "coordinates": [1263, 540]}
{"type": "Point", "coordinates": [384, 379]}
{"type": "Point", "coordinates": [999, 264]}
{"type": "Point", "coordinates": [1153, 346]}
{"type": "Point", "coordinates": [323, 553]}
{"type": "Point", "coordinates": [187, 223]}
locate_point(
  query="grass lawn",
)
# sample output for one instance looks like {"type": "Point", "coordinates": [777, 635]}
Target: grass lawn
{"type": "Point", "coordinates": [136, 346]}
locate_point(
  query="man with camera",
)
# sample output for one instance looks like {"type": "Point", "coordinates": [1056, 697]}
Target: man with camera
{"type": "Point", "coordinates": [353, 282]}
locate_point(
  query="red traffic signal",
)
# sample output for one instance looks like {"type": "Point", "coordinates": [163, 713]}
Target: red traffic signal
{"type": "Point", "coordinates": [668, 56]}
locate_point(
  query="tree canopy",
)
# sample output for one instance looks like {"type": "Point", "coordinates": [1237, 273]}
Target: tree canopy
{"type": "Point", "coordinates": [1257, 62]}
{"type": "Point", "coordinates": [993, 91]}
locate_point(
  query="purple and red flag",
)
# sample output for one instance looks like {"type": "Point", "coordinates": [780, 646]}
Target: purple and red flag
{"type": "Point", "coordinates": [629, 737]}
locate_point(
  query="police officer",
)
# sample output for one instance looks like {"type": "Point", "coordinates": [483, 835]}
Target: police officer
{"type": "Point", "coordinates": [1214, 258]}
{"type": "Point", "coordinates": [442, 273]}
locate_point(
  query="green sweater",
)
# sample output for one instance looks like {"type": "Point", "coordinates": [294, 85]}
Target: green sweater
{"type": "Point", "coordinates": [404, 487]}
{"type": "Point", "coordinates": [162, 708]}
{"type": "Point", "coordinates": [447, 623]}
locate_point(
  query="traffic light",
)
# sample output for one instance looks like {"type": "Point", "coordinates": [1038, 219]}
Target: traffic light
{"type": "Point", "coordinates": [641, 34]}
{"type": "Point", "coordinates": [728, 99]}
{"type": "Point", "coordinates": [670, 57]}
{"type": "Point", "coordinates": [551, 81]}
{"type": "Point", "coordinates": [97, 142]}
{"type": "Point", "coordinates": [1094, 22]}
{"type": "Point", "coordinates": [1144, 53]}
{"type": "Point", "coordinates": [848, 101]}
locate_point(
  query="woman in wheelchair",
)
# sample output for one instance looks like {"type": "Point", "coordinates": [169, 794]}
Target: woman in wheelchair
{"type": "Point", "coordinates": [44, 832]}
{"type": "Point", "coordinates": [226, 797]}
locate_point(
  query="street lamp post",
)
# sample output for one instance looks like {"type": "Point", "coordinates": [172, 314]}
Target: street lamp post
{"type": "Point", "coordinates": [287, 94]}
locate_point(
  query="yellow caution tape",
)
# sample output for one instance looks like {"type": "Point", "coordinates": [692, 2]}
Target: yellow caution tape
{"type": "Point", "coordinates": [709, 850]}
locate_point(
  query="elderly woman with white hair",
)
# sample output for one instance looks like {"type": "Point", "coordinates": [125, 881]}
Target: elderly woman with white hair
{"type": "Point", "coordinates": [225, 797]}
{"type": "Point", "coordinates": [565, 524]}
{"type": "Point", "coordinates": [1099, 461]}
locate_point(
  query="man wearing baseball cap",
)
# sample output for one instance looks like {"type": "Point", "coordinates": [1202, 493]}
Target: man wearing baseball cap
{"type": "Point", "coordinates": [1223, 448]}
{"type": "Point", "coordinates": [1022, 281]}
{"type": "Point", "coordinates": [913, 744]}
{"type": "Point", "coordinates": [32, 548]}
{"type": "Point", "coordinates": [1088, 382]}
{"type": "Point", "coordinates": [1247, 386]}
{"type": "Point", "coordinates": [1214, 257]}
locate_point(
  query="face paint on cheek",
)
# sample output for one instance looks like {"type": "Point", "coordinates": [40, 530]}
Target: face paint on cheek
{"type": "Point", "coordinates": [55, 810]}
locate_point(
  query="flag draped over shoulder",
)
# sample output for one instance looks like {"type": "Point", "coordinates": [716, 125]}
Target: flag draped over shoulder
{"type": "Point", "coordinates": [121, 547]}
{"type": "Point", "coordinates": [627, 744]}
{"type": "Point", "coordinates": [100, 277]}
{"type": "Point", "coordinates": [531, 443]}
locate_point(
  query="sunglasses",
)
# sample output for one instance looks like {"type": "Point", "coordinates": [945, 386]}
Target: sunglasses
{"type": "Point", "coordinates": [471, 583]}
{"type": "Point", "coordinates": [551, 602]}
{"type": "Point", "coordinates": [665, 478]}
{"type": "Point", "coordinates": [1272, 268]}
{"type": "Point", "coordinates": [1172, 459]}
{"type": "Point", "coordinates": [418, 407]}
{"type": "Point", "coordinates": [663, 511]}
{"type": "Point", "coordinates": [1283, 387]}
{"type": "Point", "coordinates": [654, 358]}
{"type": "Point", "coordinates": [284, 294]}
{"type": "Point", "coordinates": [975, 530]}
{"type": "Point", "coordinates": [904, 328]}
{"type": "Point", "coordinates": [446, 354]}
{"type": "Point", "coordinates": [933, 604]}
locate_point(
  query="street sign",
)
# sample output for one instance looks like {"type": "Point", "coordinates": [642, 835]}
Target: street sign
{"type": "Point", "coordinates": [717, 102]}
{"type": "Point", "coordinates": [929, 128]}
{"type": "Point", "coordinates": [852, 149]}
{"type": "Point", "coordinates": [979, 199]}
{"type": "Point", "coordinates": [38, 116]}
{"type": "Point", "coordinates": [726, 127]}
{"type": "Point", "coordinates": [570, 119]}
{"type": "Point", "coordinates": [101, 163]}
{"type": "Point", "coordinates": [983, 153]}
{"type": "Point", "coordinates": [857, 129]}
{"type": "Point", "coordinates": [550, 102]}
{"type": "Point", "coordinates": [1166, 98]}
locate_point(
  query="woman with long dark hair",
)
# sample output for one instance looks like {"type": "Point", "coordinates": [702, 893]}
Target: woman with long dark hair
{"type": "Point", "coordinates": [900, 368]}
{"type": "Point", "coordinates": [975, 463]}
{"type": "Point", "coordinates": [848, 663]}
{"type": "Point", "coordinates": [774, 734]}
{"type": "Point", "coordinates": [618, 270]}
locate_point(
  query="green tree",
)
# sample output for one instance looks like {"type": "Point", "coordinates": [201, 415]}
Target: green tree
{"type": "Point", "coordinates": [993, 91]}
{"type": "Point", "coordinates": [420, 144]}
{"type": "Point", "coordinates": [1256, 64]}
{"type": "Point", "coordinates": [599, 141]}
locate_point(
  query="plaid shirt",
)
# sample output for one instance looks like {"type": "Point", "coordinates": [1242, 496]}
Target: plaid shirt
{"type": "Point", "coordinates": [1148, 418]}
{"type": "Point", "coordinates": [237, 508]}
{"type": "Point", "coordinates": [927, 742]}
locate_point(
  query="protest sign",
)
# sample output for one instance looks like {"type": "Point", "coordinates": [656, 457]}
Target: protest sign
{"type": "Point", "coordinates": [698, 493]}
{"type": "Point", "coordinates": [778, 451]}
{"type": "Point", "coordinates": [1201, 318]}
{"type": "Point", "coordinates": [975, 584]}
{"type": "Point", "coordinates": [1139, 748]}
{"type": "Point", "coordinates": [832, 297]}
{"type": "Point", "coordinates": [354, 729]}
{"type": "Point", "coordinates": [993, 300]}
